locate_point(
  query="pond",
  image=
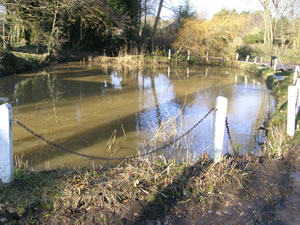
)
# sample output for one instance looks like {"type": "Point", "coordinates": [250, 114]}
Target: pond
{"type": "Point", "coordinates": [84, 108]}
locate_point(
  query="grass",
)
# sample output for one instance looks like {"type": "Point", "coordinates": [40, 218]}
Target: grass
{"type": "Point", "coordinates": [148, 187]}
{"type": "Point", "coordinates": [108, 192]}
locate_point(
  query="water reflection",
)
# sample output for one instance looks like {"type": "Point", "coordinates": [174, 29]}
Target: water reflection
{"type": "Point", "coordinates": [80, 107]}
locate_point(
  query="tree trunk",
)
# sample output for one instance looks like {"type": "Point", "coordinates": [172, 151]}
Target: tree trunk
{"type": "Point", "coordinates": [156, 23]}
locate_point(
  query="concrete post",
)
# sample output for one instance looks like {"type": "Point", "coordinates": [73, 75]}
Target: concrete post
{"type": "Point", "coordinates": [261, 59]}
{"type": "Point", "coordinates": [188, 58]}
{"type": "Point", "coordinates": [247, 59]}
{"type": "Point", "coordinates": [296, 74]}
{"type": "Point", "coordinates": [169, 57]}
{"type": "Point", "coordinates": [291, 113]}
{"type": "Point", "coordinates": [298, 96]}
{"type": "Point", "coordinates": [219, 128]}
{"type": "Point", "coordinates": [206, 56]}
{"type": "Point", "coordinates": [187, 72]}
{"type": "Point", "coordinates": [6, 145]}
{"type": "Point", "coordinates": [275, 64]}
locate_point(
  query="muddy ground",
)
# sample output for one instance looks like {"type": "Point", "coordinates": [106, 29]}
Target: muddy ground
{"type": "Point", "coordinates": [271, 196]}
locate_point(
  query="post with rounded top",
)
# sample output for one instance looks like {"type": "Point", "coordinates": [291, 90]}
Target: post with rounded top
{"type": "Point", "coordinates": [6, 145]}
{"type": "Point", "coordinates": [275, 64]}
{"type": "Point", "coordinates": [219, 128]}
{"type": "Point", "coordinates": [291, 112]}
{"type": "Point", "coordinates": [261, 59]}
{"type": "Point", "coordinates": [296, 74]}
{"type": "Point", "coordinates": [247, 59]}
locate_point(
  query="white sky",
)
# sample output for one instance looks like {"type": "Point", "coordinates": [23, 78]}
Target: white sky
{"type": "Point", "coordinates": [213, 6]}
{"type": "Point", "coordinates": [210, 7]}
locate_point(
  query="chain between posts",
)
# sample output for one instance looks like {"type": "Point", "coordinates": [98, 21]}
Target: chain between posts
{"type": "Point", "coordinates": [229, 134]}
{"type": "Point", "coordinates": [59, 147]}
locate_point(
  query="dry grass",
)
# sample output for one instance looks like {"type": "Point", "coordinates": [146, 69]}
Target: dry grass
{"type": "Point", "coordinates": [131, 186]}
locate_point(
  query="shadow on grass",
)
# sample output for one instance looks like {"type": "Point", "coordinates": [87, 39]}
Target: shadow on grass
{"type": "Point", "coordinates": [168, 197]}
{"type": "Point", "coordinates": [30, 194]}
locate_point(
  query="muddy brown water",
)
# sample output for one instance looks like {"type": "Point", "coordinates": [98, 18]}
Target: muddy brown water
{"type": "Point", "coordinates": [79, 107]}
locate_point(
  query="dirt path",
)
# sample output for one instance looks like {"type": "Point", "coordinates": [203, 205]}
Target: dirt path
{"type": "Point", "coordinates": [288, 212]}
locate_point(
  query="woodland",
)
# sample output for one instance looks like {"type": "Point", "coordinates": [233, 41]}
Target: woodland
{"type": "Point", "coordinates": [138, 27]}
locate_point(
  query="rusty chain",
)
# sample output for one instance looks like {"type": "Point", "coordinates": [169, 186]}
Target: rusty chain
{"type": "Point", "coordinates": [229, 134]}
{"type": "Point", "coordinates": [59, 147]}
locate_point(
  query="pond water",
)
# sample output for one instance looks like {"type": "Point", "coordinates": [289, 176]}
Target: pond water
{"type": "Point", "coordinates": [80, 107]}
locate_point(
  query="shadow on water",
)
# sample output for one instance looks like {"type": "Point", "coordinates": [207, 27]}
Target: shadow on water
{"type": "Point", "coordinates": [59, 95]}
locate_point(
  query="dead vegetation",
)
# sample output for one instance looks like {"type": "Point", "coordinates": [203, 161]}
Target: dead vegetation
{"type": "Point", "coordinates": [149, 187]}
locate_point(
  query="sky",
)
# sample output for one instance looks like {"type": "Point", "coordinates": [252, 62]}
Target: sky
{"type": "Point", "coordinates": [210, 7]}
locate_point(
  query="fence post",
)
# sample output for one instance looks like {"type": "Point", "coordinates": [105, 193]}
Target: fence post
{"type": "Point", "coordinates": [247, 59]}
{"type": "Point", "coordinates": [188, 58]}
{"type": "Point", "coordinates": [206, 56]}
{"type": "Point", "coordinates": [237, 57]}
{"type": "Point", "coordinates": [219, 128]}
{"type": "Point", "coordinates": [296, 74]}
{"type": "Point", "coordinates": [6, 146]}
{"type": "Point", "coordinates": [291, 113]}
{"type": "Point", "coordinates": [169, 57]}
{"type": "Point", "coordinates": [275, 64]}
{"type": "Point", "coordinates": [261, 59]}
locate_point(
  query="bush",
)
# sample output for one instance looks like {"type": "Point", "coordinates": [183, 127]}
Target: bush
{"type": "Point", "coordinates": [245, 50]}
{"type": "Point", "coordinates": [254, 38]}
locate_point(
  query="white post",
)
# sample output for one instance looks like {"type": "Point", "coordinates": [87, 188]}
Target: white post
{"type": "Point", "coordinates": [188, 58]}
{"type": "Point", "coordinates": [298, 96]}
{"type": "Point", "coordinates": [169, 57]}
{"type": "Point", "coordinates": [237, 57]}
{"type": "Point", "coordinates": [235, 79]}
{"type": "Point", "coordinates": [246, 81]}
{"type": "Point", "coordinates": [296, 74]}
{"type": "Point", "coordinates": [187, 72]}
{"type": "Point", "coordinates": [275, 64]}
{"type": "Point", "coordinates": [169, 71]}
{"type": "Point", "coordinates": [255, 60]}
{"type": "Point", "coordinates": [219, 128]}
{"type": "Point", "coordinates": [206, 56]}
{"type": "Point", "coordinates": [291, 113]}
{"type": "Point", "coordinates": [261, 59]}
{"type": "Point", "coordinates": [247, 59]}
{"type": "Point", "coordinates": [6, 146]}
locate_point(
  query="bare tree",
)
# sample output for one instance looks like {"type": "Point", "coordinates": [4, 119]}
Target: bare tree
{"type": "Point", "coordinates": [156, 22]}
